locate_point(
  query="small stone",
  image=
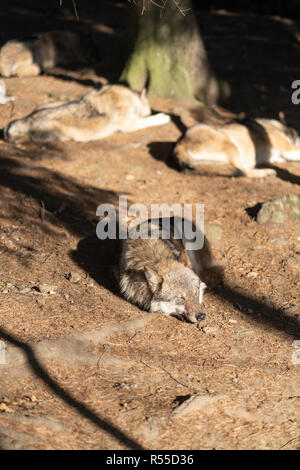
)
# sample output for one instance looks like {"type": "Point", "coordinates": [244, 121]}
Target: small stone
{"type": "Point", "coordinates": [5, 409]}
{"type": "Point", "coordinates": [46, 288]}
{"type": "Point", "coordinates": [252, 274]}
{"type": "Point", "coordinates": [25, 290]}
{"type": "Point", "coordinates": [210, 330]}
{"type": "Point", "coordinates": [204, 403]}
{"type": "Point", "coordinates": [125, 386]}
{"type": "Point", "coordinates": [287, 207]}
{"type": "Point", "coordinates": [213, 232]}
{"type": "Point", "coordinates": [73, 277]}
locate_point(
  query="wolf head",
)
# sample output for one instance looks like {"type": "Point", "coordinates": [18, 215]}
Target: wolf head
{"type": "Point", "coordinates": [178, 292]}
{"type": "Point", "coordinates": [16, 131]}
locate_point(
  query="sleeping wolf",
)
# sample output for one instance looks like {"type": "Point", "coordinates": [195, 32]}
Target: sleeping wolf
{"type": "Point", "coordinates": [241, 145]}
{"type": "Point", "coordinates": [100, 113]}
{"type": "Point", "coordinates": [29, 58]}
{"type": "Point", "coordinates": [161, 275]}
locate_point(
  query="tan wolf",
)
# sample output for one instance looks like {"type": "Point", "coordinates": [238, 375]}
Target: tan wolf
{"type": "Point", "coordinates": [161, 275]}
{"type": "Point", "coordinates": [242, 145]}
{"type": "Point", "coordinates": [29, 58]}
{"type": "Point", "coordinates": [100, 113]}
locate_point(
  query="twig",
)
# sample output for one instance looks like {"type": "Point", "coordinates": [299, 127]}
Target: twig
{"type": "Point", "coordinates": [291, 440]}
{"type": "Point", "coordinates": [161, 5]}
{"type": "Point", "coordinates": [170, 375]}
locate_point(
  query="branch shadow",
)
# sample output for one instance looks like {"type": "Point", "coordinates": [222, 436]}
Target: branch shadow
{"type": "Point", "coordinates": [286, 175]}
{"type": "Point", "coordinates": [260, 311]}
{"type": "Point", "coordinates": [99, 258]}
{"type": "Point", "coordinates": [54, 386]}
{"type": "Point", "coordinates": [64, 203]}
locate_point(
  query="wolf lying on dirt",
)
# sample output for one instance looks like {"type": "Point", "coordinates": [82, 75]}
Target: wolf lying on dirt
{"type": "Point", "coordinates": [100, 113]}
{"type": "Point", "coordinates": [161, 275]}
{"type": "Point", "coordinates": [243, 145]}
{"type": "Point", "coordinates": [28, 58]}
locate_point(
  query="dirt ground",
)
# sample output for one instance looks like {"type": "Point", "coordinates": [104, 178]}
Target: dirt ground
{"type": "Point", "coordinates": [86, 369]}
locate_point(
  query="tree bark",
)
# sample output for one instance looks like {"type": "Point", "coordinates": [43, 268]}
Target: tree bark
{"type": "Point", "coordinates": [168, 55]}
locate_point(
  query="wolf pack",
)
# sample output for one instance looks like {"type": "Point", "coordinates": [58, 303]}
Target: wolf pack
{"type": "Point", "coordinates": [158, 275]}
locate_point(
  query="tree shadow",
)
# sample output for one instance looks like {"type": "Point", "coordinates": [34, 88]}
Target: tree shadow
{"type": "Point", "coordinates": [63, 200]}
{"type": "Point", "coordinates": [63, 203]}
{"type": "Point", "coordinates": [262, 312]}
{"type": "Point", "coordinates": [60, 392]}
{"type": "Point", "coordinates": [61, 75]}
{"type": "Point", "coordinates": [99, 258]}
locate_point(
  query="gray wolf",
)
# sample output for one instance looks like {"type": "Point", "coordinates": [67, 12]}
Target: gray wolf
{"type": "Point", "coordinates": [160, 275]}
{"type": "Point", "coordinates": [28, 58]}
{"type": "Point", "coordinates": [100, 113]}
{"type": "Point", "coordinates": [242, 145]}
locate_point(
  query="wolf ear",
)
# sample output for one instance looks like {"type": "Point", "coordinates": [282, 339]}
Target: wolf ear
{"type": "Point", "coordinates": [153, 278]}
{"type": "Point", "coordinates": [282, 119]}
{"type": "Point", "coordinates": [143, 93]}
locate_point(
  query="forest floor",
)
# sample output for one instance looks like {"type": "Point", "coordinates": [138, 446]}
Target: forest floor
{"type": "Point", "coordinates": [86, 369]}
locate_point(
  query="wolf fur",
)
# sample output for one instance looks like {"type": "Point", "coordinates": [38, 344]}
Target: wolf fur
{"type": "Point", "coordinates": [100, 113]}
{"type": "Point", "coordinates": [242, 145]}
{"type": "Point", "coordinates": [29, 58]}
{"type": "Point", "coordinates": [161, 275]}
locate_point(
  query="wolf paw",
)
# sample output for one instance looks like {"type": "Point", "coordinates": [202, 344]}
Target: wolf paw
{"type": "Point", "coordinates": [162, 118]}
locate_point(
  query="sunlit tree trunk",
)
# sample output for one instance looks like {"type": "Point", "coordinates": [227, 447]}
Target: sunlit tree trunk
{"type": "Point", "coordinates": [168, 56]}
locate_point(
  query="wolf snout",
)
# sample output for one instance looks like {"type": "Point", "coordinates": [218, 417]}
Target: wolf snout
{"type": "Point", "coordinates": [197, 318]}
{"type": "Point", "coordinates": [200, 317]}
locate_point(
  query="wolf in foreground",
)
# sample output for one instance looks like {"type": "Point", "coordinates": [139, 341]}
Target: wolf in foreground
{"type": "Point", "coordinates": [241, 145]}
{"type": "Point", "coordinates": [161, 275]}
{"type": "Point", "coordinates": [100, 113]}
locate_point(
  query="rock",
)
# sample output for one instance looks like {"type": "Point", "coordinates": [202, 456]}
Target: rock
{"type": "Point", "coordinates": [196, 403]}
{"type": "Point", "coordinates": [73, 277]}
{"type": "Point", "coordinates": [285, 208]}
{"type": "Point", "coordinates": [25, 290]}
{"type": "Point", "coordinates": [210, 330]}
{"type": "Point", "coordinates": [293, 263]}
{"type": "Point", "coordinates": [5, 409]}
{"type": "Point", "coordinates": [46, 288]}
{"type": "Point", "coordinates": [213, 232]}
{"type": "Point", "coordinates": [125, 386]}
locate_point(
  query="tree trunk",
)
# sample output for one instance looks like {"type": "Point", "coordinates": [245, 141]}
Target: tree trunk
{"type": "Point", "coordinates": [168, 55]}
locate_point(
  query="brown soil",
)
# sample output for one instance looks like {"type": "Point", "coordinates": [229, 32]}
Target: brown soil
{"type": "Point", "coordinates": [240, 358]}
